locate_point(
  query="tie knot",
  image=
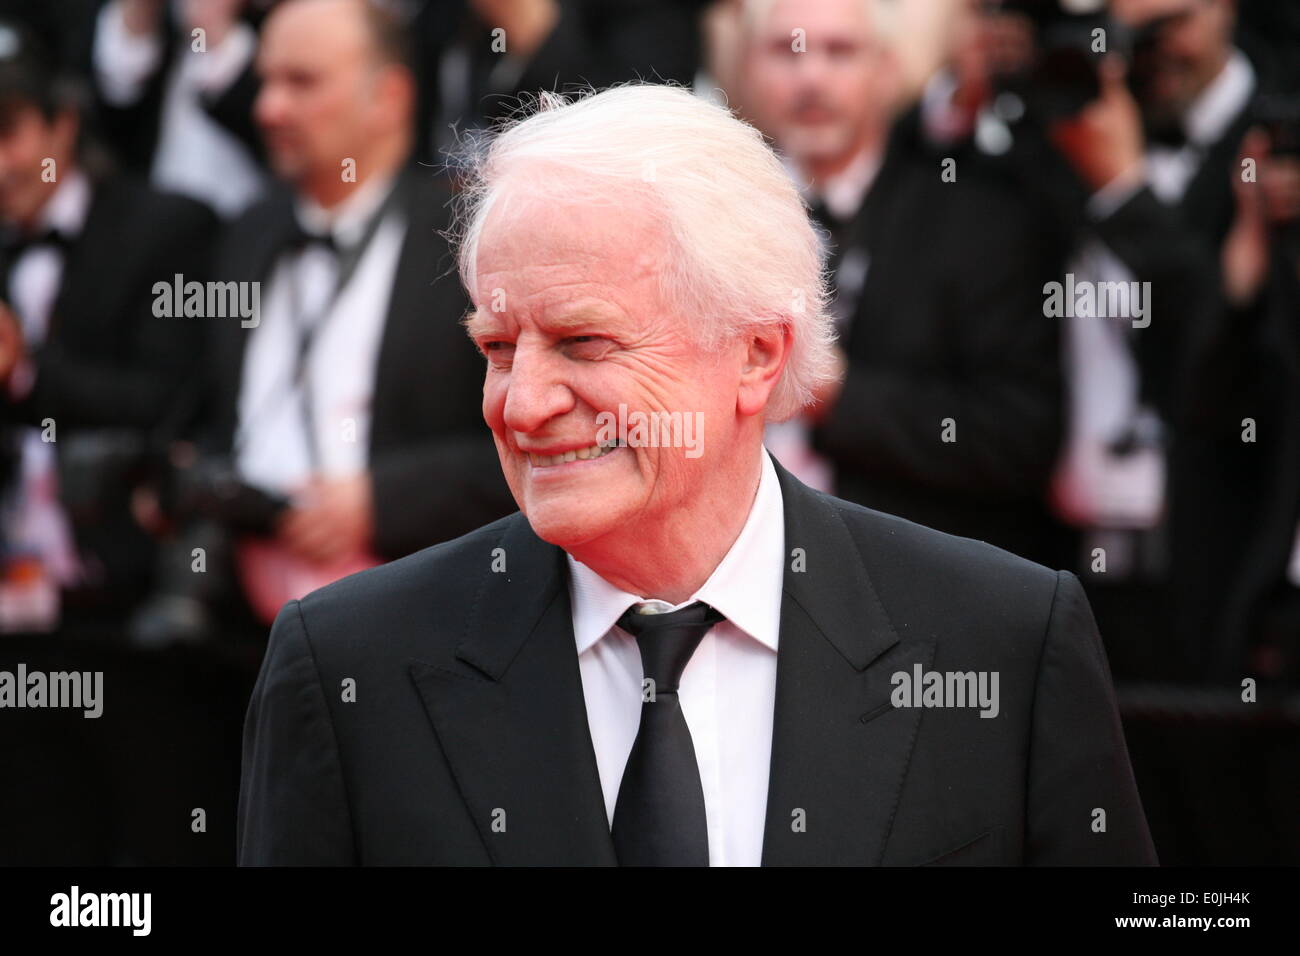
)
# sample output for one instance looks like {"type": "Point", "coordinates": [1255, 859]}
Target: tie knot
{"type": "Point", "coordinates": [668, 640]}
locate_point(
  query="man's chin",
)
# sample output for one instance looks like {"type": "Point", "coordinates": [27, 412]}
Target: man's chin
{"type": "Point", "coordinates": [563, 528]}
{"type": "Point", "coordinates": [288, 168]}
{"type": "Point", "coordinates": [814, 145]}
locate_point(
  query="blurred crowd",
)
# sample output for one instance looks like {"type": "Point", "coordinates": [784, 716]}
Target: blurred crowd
{"type": "Point", "coordinates": [1062, 237]}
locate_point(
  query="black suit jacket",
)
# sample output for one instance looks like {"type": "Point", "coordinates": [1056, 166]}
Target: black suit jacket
{"type": "Point", "coordinates": [469, 704]}
{"type": "Point", "coordinates": [434, 466]}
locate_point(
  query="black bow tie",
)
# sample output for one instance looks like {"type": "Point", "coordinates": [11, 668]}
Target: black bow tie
{"type": "Point", "coordinates": [300, 238]}
{"type": "Point", "coordinates": [16, 243]}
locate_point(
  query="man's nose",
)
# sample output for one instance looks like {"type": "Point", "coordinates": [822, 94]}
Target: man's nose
{"type": "Point", "coordinates": [536, 392]}
{"type": "Point", "coordinates": [811, 66]}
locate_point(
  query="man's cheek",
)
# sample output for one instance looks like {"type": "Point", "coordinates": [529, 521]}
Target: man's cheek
{"type": "Point", "coordinates": [494, 400]}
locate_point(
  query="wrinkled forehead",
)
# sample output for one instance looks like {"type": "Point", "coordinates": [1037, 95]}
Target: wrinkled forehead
{"type": "Point", "coordinates": [530, 234]}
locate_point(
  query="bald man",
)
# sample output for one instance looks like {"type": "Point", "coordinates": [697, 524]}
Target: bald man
{"type": "Point", "coordinates": [351, 405]}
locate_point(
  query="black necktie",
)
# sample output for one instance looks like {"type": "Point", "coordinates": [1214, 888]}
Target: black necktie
{"type": "Point", "coordinates": [659, 817]}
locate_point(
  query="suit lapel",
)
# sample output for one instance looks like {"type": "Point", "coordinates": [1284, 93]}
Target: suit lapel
{"type": "Point", "coordinates": [511, 716]}
{"type": "Point", "coordinates": [839, 748]}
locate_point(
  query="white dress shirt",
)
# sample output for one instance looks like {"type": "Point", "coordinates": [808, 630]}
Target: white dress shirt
{"type": "Point", "coordinates": [1170, 170]}
{"type": "Point", "coordinates": [195, 155]}
{"type": "Point", "coordinates": [273, 450]}
{"type": "Point", "coordinates": [727, 692]}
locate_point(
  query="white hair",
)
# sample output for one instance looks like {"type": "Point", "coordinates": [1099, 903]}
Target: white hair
{"type": "Point", "coordinates": [744, 253]}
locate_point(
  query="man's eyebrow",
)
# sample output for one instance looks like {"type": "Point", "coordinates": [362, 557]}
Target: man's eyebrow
{"type": "Point", "coordinates": [477, 324]}
{"type": "Point", "coordinates": [583, 317]}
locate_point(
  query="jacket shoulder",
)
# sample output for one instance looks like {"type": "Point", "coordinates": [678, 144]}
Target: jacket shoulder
{"type": "Point", "coordinates": [387, 597]}
{"type": "Point", "coordinates": [940, 575]}
{"type": "Point", "coordinates": [133, 200]}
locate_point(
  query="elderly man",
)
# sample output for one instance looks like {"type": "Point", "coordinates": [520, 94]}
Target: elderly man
{"type": "Point", "coordinates": [675, 654]}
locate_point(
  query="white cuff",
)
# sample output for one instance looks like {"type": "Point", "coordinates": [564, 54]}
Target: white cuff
{"type": "Point", "coordinates": [123, 61]}
{"type": "Point", "coordinates": [222, 65]}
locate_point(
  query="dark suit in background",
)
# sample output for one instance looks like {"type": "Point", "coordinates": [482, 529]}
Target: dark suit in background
{"type": "Point", "coordinates": [111, 369]}
{"type": "Point", "coordinates": [948, 325]}
{"type": "Point", "coordinates": [467, 81]}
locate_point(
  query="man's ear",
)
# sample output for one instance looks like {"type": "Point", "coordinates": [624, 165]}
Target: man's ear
{"type": "Point", "coordinates": [766, 350]}
{"type": "Point", "coordinates": [395, 90]}
{"type": "Point", "coordinates": [65, 126]}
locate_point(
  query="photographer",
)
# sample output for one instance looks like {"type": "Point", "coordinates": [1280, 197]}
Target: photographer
{"type": "Point", "coordinates": [1251, 617]}
{"type": "Point", "coordinates": [87, 368]}
{"type": "Point", "coordinates": [1123, 123]}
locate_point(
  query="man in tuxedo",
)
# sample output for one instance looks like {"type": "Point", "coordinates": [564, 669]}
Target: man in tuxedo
{"type": "Point", "coordinates": [88, 366]}
{"type": "Point", "coordinates": [950, 409]}
{"type": "Point", "coordinates": [675, 653]}
{"type": "Point", "coordinates": [351, 406]}
{"type": "Point", "coordinates": [1161, 489]}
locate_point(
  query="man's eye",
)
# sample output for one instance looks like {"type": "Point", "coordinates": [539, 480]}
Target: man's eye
{"type": "Point", "coordinates": [498, 352]}
{"type": "Point", "coordinates": [586, 347]}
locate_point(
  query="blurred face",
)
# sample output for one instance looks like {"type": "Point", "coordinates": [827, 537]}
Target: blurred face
{"type": "Point", "coordinates": [1191, 44]}
{"type": "Point", "coordinates": [987, 42]}
{"type": "Point", "coordinates": [815, 78]}
{"type": "Point", "coordinates": [316, 105]}
{"type": "Point", "coordinates": [27, 139]}
{"type": "Point", "coordinates": [580, 330]}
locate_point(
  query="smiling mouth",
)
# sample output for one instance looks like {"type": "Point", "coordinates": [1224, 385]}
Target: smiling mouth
{"type": "Point", "coordinates": [574, 454]}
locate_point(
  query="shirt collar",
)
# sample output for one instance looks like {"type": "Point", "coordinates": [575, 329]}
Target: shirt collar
{"type": "Point", "coordinates": [1219, 103]}
{"type": "Point", "coordinates": [745, 586]}
{"type": "Point", "coordinates": [844, 192]}
{"type": "Point", "coordinates": [346, 221]}
{"type": "Point", "coordinates": [65, 211]}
